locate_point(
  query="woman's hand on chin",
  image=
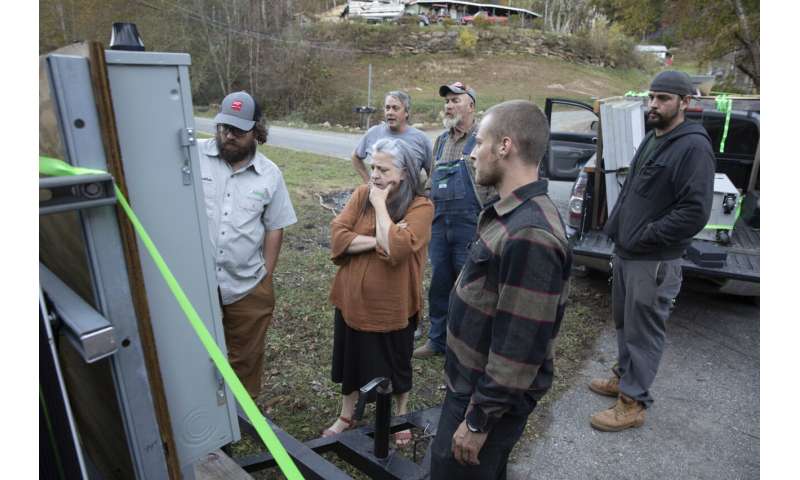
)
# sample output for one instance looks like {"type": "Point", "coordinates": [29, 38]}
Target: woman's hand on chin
{"type": "Point", "coordinates": [377, 195]}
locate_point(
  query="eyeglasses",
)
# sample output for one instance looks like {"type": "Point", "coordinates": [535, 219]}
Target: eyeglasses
{"type": "Point", "coordinates": [236, 132]}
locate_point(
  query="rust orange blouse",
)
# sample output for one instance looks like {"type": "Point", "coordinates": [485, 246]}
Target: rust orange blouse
{"type": "Point", "coordinates": [377, 292]}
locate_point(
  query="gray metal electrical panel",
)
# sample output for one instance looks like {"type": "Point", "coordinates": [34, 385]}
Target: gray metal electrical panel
{"type": "Point", "coordinates": [152, 104]}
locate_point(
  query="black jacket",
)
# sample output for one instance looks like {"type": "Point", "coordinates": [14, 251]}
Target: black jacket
{"type": "Point", "coordinates": [667, 201]}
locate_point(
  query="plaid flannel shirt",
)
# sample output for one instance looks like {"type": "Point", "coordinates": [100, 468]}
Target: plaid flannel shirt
{"type": "Point", "coordinates": [507, 305]}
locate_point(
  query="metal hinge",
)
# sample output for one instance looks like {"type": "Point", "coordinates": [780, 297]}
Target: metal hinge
{"type": "Point", "coordinates": [221, 397]}
{"type": "Point", "coordinates": [187, 141]}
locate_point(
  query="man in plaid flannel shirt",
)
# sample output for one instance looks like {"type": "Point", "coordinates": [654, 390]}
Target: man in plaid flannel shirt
{"type": "Point", "coordinates": [507, 304]}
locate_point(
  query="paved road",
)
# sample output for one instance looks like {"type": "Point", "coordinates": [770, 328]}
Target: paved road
{"type": "Point", "coordinates": [705, 420]}
{"type": "Point", "coordinates": [341, 145]}
{"type": "Point", "coordinates": [333, 144]}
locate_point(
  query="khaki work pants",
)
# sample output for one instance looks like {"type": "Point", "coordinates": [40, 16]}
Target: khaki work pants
{"type": "Point", "coordinates": [245, 323]}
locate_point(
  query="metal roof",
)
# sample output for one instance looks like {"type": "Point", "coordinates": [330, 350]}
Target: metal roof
{"type": "Point", "coordinates": [473, 4]}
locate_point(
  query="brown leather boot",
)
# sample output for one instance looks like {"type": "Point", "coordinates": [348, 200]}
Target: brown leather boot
{"type": "Point", "coordinates": [605, 386]}
{"type": "Point", "coordinates": [626, 413]}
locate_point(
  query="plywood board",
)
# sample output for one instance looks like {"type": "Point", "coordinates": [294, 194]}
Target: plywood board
{"type": "Point", "coordinates": [218, 466]}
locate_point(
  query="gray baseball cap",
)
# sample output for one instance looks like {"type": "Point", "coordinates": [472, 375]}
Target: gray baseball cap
{"type": "Point", "coordinates": [238, 109]}
{"type": "Point", "coordinates": [458, 88]}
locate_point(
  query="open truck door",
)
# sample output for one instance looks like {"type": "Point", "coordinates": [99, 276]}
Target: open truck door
{"type": "Point", "coordinates": [573, 138]}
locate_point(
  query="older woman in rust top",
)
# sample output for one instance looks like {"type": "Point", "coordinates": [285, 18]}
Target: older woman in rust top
{"type": "Point", "coordinates": [380, 243]}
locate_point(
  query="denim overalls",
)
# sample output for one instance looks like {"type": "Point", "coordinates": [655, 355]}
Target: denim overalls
{"type": "Point", "coordinates": [455, 222]}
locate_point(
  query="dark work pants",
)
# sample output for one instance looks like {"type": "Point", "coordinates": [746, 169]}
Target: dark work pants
{"type": "Point", "coordinates": [641, 298]}
{"type": "Point", "coordinates": [493, 457]}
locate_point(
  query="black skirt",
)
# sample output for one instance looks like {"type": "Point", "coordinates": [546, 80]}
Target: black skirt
{"type": "Point", "coordinates": [359, 357]}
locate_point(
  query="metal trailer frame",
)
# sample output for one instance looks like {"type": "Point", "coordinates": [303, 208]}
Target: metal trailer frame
{"type": "Point", "coordinates": [356, 447]}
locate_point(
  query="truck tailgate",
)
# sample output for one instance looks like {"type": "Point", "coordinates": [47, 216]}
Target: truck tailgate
{"type": "Point", "coordinates": [743, 261]}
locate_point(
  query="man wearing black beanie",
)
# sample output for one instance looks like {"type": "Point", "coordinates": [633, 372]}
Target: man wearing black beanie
{"type": "Point", "coordinates": [666, 200]}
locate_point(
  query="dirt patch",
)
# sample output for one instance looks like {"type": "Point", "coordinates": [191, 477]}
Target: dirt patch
{"type": "Point", "coordinates": [335, 201]}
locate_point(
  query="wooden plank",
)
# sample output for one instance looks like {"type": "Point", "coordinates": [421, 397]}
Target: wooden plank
{"type": "Point", "coordinates": [105, 112]}
{"type": "Point", "coordinates": [598, 170]}
{"type": "Point", "coordinates": [754, 172]}
{"type": "Point", "coordinates": [218, 466]}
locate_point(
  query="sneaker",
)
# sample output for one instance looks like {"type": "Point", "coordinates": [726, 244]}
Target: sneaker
{"type": "Point", "coordinates": [426, 351]}
{"type": "Point", "coordinates": [605, 386]}
{"type": "Point", "coordinates": [418, 333]}
{"type": "Point", "coordinates": [626, 413]}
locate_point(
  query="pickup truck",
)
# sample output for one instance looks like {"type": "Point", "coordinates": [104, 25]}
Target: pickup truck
{"type": "Point", "coordinates": [573, 155]}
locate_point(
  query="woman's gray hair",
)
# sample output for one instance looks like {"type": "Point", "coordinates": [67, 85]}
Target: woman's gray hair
{"type": "Point", "coordinates": [403, 98]}
{"type": "Point", "coordinates": [404, 159]}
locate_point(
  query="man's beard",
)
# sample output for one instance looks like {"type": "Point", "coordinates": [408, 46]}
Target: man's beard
{"type": "Point", "coordinates": [489, 177]}
{"type": "Point", "coordinates": [451, 122]}
{"type": "Point", "coordinates": [232, 152]}
{"type": "Point", "coordinates": [661, 121]}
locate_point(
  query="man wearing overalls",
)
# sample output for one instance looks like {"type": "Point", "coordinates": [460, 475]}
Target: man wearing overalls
{"type": "Point", "coordinates": [458, 201]}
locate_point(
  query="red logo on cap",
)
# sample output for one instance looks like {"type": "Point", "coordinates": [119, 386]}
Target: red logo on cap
{"type": "Point", "coordinates": [236, 105]}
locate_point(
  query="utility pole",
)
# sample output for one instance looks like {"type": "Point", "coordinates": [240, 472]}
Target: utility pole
{"type": "Point", "coordinates": [369, 86]}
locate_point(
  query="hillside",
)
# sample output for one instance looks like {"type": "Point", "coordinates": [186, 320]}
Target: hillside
{"type": "Point", "coordinates": [495, 78]}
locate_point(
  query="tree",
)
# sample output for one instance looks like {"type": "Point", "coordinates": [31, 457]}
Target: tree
{"type": "Point", "coordinates": [253, 45]}
{"type": "Point", "coordinates": [636, 17]}
{"type": "Point", "coordinates": [722, 28]}
{"type": "Point", "coordinates": [562, 16]}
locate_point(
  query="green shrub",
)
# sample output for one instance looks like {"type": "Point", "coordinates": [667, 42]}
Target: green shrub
{"type": "Point", "coordinates": [408, 20]}
{"type": "Point", "coordinates": [467, 41]}
{"type": "Point", "coordinates": [480, 21]}
{"type": "Point", "coordinates": [609, 44]}
{"type": "Point", "coordinates": [337, 108]}
{"type": "Point", "coordinates": [516, 20]}
{"type": "Point", "coordinates": [353, 33]}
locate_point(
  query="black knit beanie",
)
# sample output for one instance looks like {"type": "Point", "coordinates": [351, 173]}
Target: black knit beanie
{"type": "Point", "coordinates": [673, 81]}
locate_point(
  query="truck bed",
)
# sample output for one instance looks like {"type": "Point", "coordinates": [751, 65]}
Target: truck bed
{"type": "Point", "coordinates": [743, 261]}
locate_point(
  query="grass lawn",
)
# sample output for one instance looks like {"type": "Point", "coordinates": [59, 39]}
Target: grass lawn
{"type": "Point", "coordinates": [297, 391]}
{"type": "Point", "coordinates": [496, 78]}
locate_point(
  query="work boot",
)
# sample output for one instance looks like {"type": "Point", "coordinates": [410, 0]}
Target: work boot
{"type": "Point", "coordinates": [605, 386]}
{"type": "Point", "coordinates": [626, 413]}
{"type": "Point", "coordinates": [426, 351]}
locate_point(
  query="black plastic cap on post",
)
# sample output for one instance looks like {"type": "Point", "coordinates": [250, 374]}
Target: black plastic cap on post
{"type": "Point", "coordinates": [125, 36]}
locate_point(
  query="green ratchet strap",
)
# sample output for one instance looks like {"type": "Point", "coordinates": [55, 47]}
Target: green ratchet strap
{"type": "Point", "coordinates": [724, 104]}
{"type": "Point", "coordinates": [55, 167]}
{"type": "Point", "coordinates": [735, 218]}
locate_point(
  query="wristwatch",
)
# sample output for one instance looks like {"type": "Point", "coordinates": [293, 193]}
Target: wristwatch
{"type": "Point", "coordinates": [471, 428]}
{"type": "Point", "coordinates": [476, 420]}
